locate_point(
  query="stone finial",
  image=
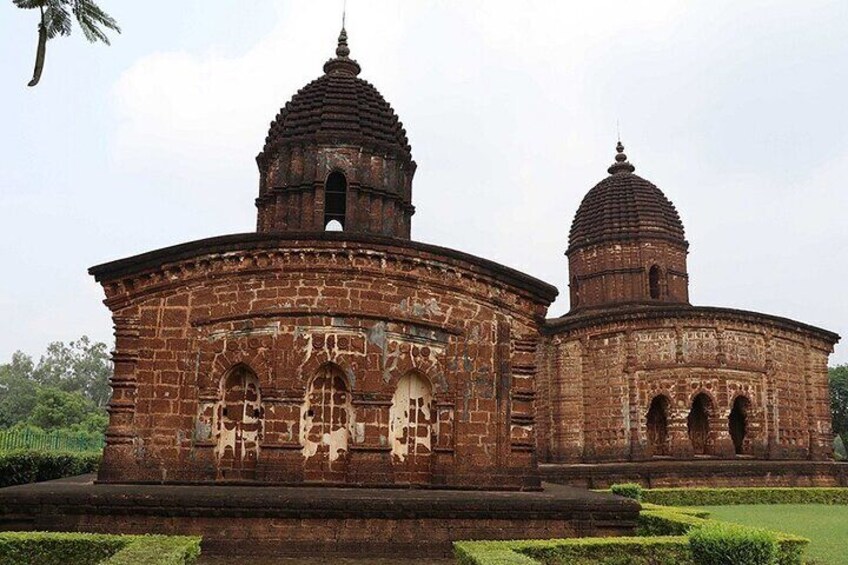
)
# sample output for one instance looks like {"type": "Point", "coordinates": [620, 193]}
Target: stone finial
{"type": "Point", "coordinates": [342, 50]}
{"type": "Point", "coordinates": [342, 64]}
{"type": "Point", "coordinates": [621, 165]}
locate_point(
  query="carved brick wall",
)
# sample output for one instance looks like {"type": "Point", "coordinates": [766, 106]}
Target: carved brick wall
{"type": "Point", "coordinates": [366, 315]}
{"type": "Point", "coordinates": [602, 378]}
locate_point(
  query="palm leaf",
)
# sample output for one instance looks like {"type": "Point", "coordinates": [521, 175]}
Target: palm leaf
{"type": "Point", "coordinates": [91, 17]}
{"type": "Point", "coordinates": [57, 20]}
{"type": "Point", "coordinates": [30, 4]}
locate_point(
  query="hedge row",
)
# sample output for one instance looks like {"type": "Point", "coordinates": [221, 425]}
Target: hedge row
{"type": "Point", "coordinates": [750, 495]}
{"type": "Point", "coordinates": [666, 537]}
{"type": "Point", "coordinates": [56, 548]}
{"type": "Point", "coordinates": [21, 467]}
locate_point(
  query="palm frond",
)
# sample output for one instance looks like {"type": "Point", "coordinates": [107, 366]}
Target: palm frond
{"type": "Point", "coordinates": [91, 17]}
{"type": "Point", "coordinates": [30, 4]}
{"type": "Point", "coordinates": [57, 20]}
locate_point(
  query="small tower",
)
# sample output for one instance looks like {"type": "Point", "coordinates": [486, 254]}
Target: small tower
{"type": "Point", "coordinates": [626, 244]}
{"type": "Point", "coordinates": [336, 157]}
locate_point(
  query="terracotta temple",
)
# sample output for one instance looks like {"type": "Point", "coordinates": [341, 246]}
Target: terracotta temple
{"type": "Point", "coordinates": [327, 347]}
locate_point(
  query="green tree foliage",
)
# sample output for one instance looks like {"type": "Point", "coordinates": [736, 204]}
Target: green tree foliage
{"type": "Point", "coordinates": [57, 19]}
{"type": "Point", "coordinates": [839, 401]}
{"type": "Point", "coordinates": [68, 388]}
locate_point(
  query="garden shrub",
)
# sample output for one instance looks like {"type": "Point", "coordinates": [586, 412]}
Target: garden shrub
{"type": "Point", "coordinates": [628, 490]}
{"type": "Point", "coordinates": [158, 550]}
{"type": "Point", "coordinates": [58, 548]}
{"type": "Point", "coordinates": [21, 467]}
{"type": "Point", "coordinates": [745, 495]}
{"type": "Point", "coordinates": [666, 550]}
{"type": "Point", "coordinates": [50, 548]}
{"type": "Point", "coordinates": [718, 543]}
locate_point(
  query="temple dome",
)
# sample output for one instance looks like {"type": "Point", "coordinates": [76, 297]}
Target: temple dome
{"type": "Point", "coordinates": [624, 206]}
{"type": "Point", "coordinates": [339, 108]}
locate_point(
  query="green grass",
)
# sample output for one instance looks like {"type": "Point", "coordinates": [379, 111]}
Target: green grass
{"type": "Point", "coordinates": [826, 526]}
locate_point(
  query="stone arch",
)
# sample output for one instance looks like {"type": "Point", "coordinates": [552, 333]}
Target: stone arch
{"type": "Point", "coordinates": [411, 417]}
{"type": "Point", "coordinates": [327, 417]}
{"type": "Point", "coordinates": [657, 425]}
{"type": "Point", "coordinates": [739, 422]}
{"type": "Point", "coordinates": [698, 423]}
{"type": "Point", "coordinates": [335, 199]}
{"type": "Point", "coordinates": [655, 282]}
{"type": "Point", "coordinates": [238, 423]}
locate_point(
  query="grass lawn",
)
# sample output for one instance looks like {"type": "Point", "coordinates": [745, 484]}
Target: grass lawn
{"type": "Point", "coordinates": [825, 526]}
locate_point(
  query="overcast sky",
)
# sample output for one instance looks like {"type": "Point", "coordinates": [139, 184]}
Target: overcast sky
{"type": "Point", "coordinates": [736, 110]}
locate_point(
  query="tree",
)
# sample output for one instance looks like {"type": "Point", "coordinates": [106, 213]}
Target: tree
{"type": "Point", "coordinates": [80, 366]}
{"type": "Point", "coordinates": [838, 377]}
{"type": "Point", "coordinates": [56, 19]}
{"type": "Point", "coordinates": [56, 408]}
{"type": "Point", "coordinates": [17, 390]}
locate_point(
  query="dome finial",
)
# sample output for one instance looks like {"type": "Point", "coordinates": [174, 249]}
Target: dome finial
{"type": "Point", "coordinates": [621, 165]}
{"type": "Point", "coordinates": [342, 64]}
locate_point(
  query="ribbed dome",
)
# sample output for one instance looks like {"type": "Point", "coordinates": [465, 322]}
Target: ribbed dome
{"type": "Point", "coordinates": [624, 206]}
{"type": "Point", "coordinates": [339, 107]}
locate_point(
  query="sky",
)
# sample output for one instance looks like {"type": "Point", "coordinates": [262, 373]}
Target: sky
{"type": "Point", "coordinates": [736, 110]}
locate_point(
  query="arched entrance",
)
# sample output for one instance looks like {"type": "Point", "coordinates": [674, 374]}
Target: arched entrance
{"type": "Point", "coordinates": [657, 425]}
{"type": "Point", "coordinates": [698, 424]}
{"type": "Point", "coordinates": [411, 428]}
{"type": "Point", "coordinates": [239, 420]}
{"type": "Point", "coordinates": [326, 421]}
{"type": "Point", "coordinates": [738, 423]}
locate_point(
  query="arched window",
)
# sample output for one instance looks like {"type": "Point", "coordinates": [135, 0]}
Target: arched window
{"type": "Point", "coordinates": [411, 418]}
{"type": "Point", "coordinates": [326, 418]}
{"type": "Point", "coordinates": [575, 291]}
{"type": "Point", "coordinates": [654, 282]}
{"type": "Point", "coordinates": [698, 424]}
{"type": "Point", "coordinates": [335, 200]}
{"type": "Point", "coordinates": [239, 424]}
{"type": "Point", "coordinates": [658, 425]}
{"type": "Point", "coordinates": [738, 423]}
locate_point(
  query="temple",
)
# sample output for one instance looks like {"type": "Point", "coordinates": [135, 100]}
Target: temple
{"type": "Point", "coordinates": [327, 347]}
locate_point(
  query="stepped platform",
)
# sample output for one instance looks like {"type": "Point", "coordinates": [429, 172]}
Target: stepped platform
{"type": "Point", "coordinates": [700, 472]}
{"type": "Point", "coordinates": [315, 521]}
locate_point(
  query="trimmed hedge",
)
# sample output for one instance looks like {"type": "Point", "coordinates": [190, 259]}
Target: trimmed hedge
{"type": "Point", "coordinates": [628, 490]}
{"type": "Point", "coordinates": [58, 548]}
{"type": "Point", "coordinates": [747, 495]}
{"type": "Point", "coordinates": [21, 467]}
{"type": "Point", "coordinates": [158, 550]}
{"type": "Point", "coordinates": [720, 544]}
{"type": "Point", "coordinates": [665, 539]}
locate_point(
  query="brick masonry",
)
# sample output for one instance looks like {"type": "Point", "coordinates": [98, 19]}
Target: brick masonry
{"type": "Point", "coordinates": [288, 360]}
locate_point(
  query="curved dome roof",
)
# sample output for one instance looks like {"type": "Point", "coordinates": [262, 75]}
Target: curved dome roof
{"type": "Point", "coordinates": [624, 206]}
{"type": "Point", "coordinates": [340, 107]}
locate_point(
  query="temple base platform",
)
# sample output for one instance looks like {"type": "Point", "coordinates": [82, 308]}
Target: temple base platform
{"type": "Point", "coordinates": [706, 472]}
{"type": "Point", "coordinates": [315, 521]}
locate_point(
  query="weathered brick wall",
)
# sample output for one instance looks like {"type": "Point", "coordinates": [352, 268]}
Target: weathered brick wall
{"type": "Point", "coordinates": [321, 333]}
{"type": "Point", "coordinates": [292, 183]}
{"type": "Point", "coordinates": [617, 272]}
{"type": "Point", "coordinates": [602, 375]}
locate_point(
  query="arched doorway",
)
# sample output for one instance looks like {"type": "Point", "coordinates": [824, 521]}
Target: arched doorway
{"type": "Point", "coordinates": [411, 428]}
{"type": "Point", "coordinates": [326, 422]}
{"type": "Point", "coordinates": [239, 419]}
{"type": "Point", "coordinates": [738, 423]}
{"type": "Point", "coordinates": [698, 424]}
{"type": "Point", "coordinates": [657, 425]}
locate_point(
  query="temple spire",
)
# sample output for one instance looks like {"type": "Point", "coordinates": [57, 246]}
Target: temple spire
{"type": "Point", "coordinates": [621, 165]}
{"type": "Point", "coordinates": [342, 64]}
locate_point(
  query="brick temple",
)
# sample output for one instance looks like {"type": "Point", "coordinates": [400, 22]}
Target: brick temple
{"type": "Point", "coordinates": [327, 347]}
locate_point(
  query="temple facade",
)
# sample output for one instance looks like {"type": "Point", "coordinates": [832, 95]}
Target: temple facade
{"type": "Point", "coordinates": [329, 348]}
